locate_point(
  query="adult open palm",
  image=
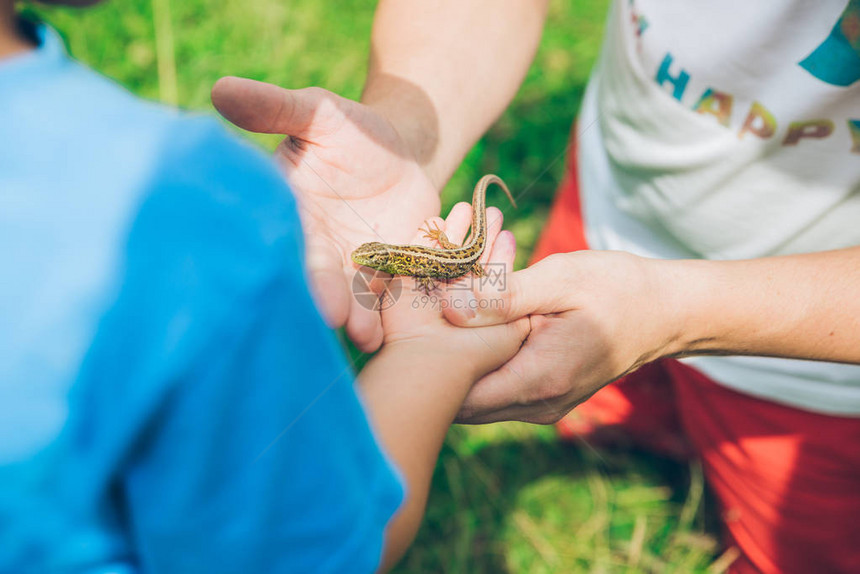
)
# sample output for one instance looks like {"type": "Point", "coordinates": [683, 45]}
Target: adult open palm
{"type": "Point", "coordinates": [354, 178]}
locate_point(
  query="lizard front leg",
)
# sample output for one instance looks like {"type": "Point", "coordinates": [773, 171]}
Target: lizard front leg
{"type": "Point", "coordinates": [442, 240]}
{"type": "Point", "coordinates": [437, 235]}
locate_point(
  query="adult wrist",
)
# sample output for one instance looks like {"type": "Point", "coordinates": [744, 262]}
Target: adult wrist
{"type": "Point", "coordinates": [411, 113]}
{"type": "Point", "coordinates": [693, 309]}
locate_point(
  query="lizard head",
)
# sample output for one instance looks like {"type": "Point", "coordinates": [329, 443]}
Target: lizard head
{"type": "Point", "coordinates": [374, 255]}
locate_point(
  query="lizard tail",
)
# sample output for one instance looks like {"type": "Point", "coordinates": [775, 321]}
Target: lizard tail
{"type": "Point", "coordinates": [490, 179]}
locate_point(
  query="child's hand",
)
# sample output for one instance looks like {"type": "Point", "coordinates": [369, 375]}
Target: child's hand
{"type": "Point", "coordinates": [415, 319]}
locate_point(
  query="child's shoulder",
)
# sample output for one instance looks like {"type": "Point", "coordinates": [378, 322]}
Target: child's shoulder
{"type": "Point", "coordinates": [79, 140]}
{"type": "Point", "coordinates": [84, 131]}
{"type": "Point", "coordinates": [86, 167]}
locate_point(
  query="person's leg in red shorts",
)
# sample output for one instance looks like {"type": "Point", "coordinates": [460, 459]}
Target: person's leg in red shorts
{"type": "Point", "coordinates": [787, 480]}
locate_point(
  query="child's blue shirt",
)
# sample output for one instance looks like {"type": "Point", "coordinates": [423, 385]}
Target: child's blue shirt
{"type": "Point", "coordinates": [170, 399]}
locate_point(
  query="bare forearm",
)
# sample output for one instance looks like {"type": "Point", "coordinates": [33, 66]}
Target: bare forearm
{"type": "Point", "coordinates": [800, 306]}
{"type": "Point", "coordinates": [411, 404]}
{"type": "Point", "coordinates": [442, 71]}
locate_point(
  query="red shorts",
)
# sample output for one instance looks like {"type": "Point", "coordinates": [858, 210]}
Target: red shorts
{"type": "Point", "coordinates": [787, 480]}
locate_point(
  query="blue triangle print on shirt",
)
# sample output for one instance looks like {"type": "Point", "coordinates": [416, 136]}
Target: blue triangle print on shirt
{"type": "Point", "coordinates": [837, 60]}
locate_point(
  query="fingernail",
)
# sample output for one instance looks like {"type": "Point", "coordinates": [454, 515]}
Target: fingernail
{"type": "Point", "coordinates": [464, 302]}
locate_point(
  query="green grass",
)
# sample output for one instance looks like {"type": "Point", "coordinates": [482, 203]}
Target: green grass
{"type": "Point", "coordinates": [507, 497]}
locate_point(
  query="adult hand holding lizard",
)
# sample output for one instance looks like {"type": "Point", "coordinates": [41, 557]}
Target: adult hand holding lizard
{"type": "Point", "coordinates": [371, 171]}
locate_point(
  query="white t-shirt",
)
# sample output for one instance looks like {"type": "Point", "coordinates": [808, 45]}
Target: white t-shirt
{"type": "Point", "coordinates": [729, 130]}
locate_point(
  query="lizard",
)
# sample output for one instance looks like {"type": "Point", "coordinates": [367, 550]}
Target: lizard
{"type": "Point", "coordinates": [449, 260]}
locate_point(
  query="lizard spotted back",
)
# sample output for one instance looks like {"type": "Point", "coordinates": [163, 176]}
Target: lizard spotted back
{"type": "Point", "coordinates": [446, 262]}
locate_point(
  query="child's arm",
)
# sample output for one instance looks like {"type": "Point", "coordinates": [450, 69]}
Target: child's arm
{"type": "Point", "coordinates": [412, 399]}
{"type": "Point", "coordinates": [413, 392]}
{"type": "Point", "coordinates": [414, 387]}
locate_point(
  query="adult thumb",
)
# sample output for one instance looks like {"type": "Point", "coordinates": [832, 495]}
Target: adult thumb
{"type": "Point", "coordinates": [266, 108]}
{"type": "Point", "coordinates": [539, 289]}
